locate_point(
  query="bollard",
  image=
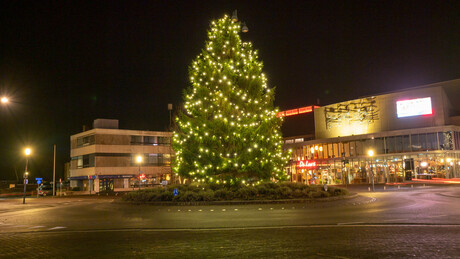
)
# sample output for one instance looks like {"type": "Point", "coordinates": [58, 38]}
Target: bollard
{"type": "Point", "coordinates": [384, 188]}
{"type": "Point", "coordinates": [411, 186]}
{"type": "Point", "coordinates": [423, 185]}
{"type": "Point", "coordinates": [399, 187]}
{"type": "Point", "coordinates": [369, 188]}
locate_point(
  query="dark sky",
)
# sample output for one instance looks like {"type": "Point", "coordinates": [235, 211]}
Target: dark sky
{"type": "Point", "coordinates": [65, 63]}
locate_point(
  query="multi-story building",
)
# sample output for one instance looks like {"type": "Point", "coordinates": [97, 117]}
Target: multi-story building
{"type": "Point", "coordinates": [106, 158]}
{"type": "Point", "coordinates": [393, 137]}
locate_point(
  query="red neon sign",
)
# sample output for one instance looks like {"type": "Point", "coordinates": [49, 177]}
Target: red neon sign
{"type": "Point", "coordinates": [301, 110]}
{"type": "Point", "coordinates": [306, 164]}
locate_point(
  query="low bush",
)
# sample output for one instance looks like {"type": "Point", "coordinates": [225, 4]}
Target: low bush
{"type": "Point", "coordinates": [214, 192]}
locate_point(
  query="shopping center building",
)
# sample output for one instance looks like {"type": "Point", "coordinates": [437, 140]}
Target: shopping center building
{"type": "Point", "coordinates": [394, 137]}
{"type": "Point", "coordinates": [107, 158]}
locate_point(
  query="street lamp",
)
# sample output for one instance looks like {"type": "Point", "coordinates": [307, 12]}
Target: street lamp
{"type": "Point", "coordinates": [371, 154]}
{"type": "Point", "coordinates": [27, 152]}
{"type": "Point", "coordinates": [4, 100]}
{"type": "Point", "coordinates": [139, 161]}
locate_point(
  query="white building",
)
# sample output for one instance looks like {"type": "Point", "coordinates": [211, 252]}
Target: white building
{"type": "Point", "coordinates": [105, 158]}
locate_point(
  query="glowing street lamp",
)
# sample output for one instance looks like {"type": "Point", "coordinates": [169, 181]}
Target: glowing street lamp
{"type": "Point", "coordinates": [27, 152]}
{"type": "Point", "coordinates": [371, 154]}
{"type": "Point", "coordinates": [4, 100]}
{"type": "Point", "coordinates": [139, 161]}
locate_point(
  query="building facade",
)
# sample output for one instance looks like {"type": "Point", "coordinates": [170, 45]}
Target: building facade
{"type": "Point", "coordinates": [395, 137]}
{"type": "Point", "coordinates": [106, 158]}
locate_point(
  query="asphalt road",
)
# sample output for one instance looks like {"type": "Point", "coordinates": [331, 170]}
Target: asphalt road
{"type": "Point", "coordinates": [409, 222]}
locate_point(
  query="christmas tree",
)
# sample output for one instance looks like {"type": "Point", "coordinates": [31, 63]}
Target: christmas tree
{"type": "Point", "coordinates": [228, 131]}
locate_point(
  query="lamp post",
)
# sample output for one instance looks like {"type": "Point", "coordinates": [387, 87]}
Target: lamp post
{"type": "Point", "coordinates": [371, 154]}
{"type": "Point", "coordinates": [139, 161]}
{"type": "Point", "coordinates": [4, 100]}
{"type": "Point", "coordinates": [27, 152]}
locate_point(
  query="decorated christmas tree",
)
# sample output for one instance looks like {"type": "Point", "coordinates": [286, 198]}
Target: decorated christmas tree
{"type": "Point", "coordinates": [228, 131]}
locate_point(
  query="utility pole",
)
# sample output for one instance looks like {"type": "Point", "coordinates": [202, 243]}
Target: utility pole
{"type": "Point", "coordinates": [54, 172]}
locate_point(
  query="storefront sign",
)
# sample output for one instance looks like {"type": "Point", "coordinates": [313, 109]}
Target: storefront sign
{"type": "Point", "coordinates": [306, 164]}
{"type": "Point", "coordinates": [414, 107]}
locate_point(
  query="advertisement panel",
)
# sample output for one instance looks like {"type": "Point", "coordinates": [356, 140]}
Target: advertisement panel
{"type": "Point", "coordinates": [414, 107]}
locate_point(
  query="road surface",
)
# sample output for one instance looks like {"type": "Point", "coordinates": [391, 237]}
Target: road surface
{"type": "Point", "coordinates": [409, 222]}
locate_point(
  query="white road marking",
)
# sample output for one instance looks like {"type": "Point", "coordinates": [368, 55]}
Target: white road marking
{"type": "Point", "coordinates": [236, 209]}
{"type": "Point", "coordinates": [223, 209]}
{"type": "Point", "coordinates": [37, 227]}
{"type": "Point", "coordinates": [394, 219]}
{"type": "Point", "coordinates": [437, 216]}
{"type": "Point", "coordinates": [260, 208]}
{"type": "Point", "coordinates": [211, 210]}
{"type": "Point", "coordinates": [58, 227]}
{"type": "Point", "coordinates": [350, 223]}
{"type": "Point", "coordinates": [200, 210]}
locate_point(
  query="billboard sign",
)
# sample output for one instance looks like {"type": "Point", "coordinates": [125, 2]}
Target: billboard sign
{"type": "Point", "coordinates": [306, 164]}
{"type": "Point", "coordinates": [414, 107]}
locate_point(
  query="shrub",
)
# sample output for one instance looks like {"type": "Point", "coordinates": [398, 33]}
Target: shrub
{"type": "Point", "coordinates": [246, 193]}
{"type": "Point", "coordinates": [223, 194]}
{"type": "Point", "coordinates": [211, 192]}
{"type": "Point", "coordinates": [284, 193]}
{"type": "Point", "coordinates": [189, 196]}
{"type": "Point", "coordinates": [207, 195]}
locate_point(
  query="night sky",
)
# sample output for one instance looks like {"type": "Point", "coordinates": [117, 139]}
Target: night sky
{"type": "Point", "coordinates": [66, 63]}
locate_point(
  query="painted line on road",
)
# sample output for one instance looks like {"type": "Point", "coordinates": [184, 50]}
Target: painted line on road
{"type": "Point", "coordinates": [37, 227]}
{"type": "Point", "coordinates": [250, 228]}
{"type": "Point", "coordinates": [393, 219]}
{"type": "Point", "coordinates": [58, 227]}
{"type": "Point", "coordinates": [350, 223]}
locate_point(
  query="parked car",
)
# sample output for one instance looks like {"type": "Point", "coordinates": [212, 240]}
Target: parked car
{"type": "Point", "coordinates": [45, 190]}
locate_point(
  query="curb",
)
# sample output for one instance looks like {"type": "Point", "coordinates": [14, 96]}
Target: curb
{"type": "Point", "coordinates": [240, 202]}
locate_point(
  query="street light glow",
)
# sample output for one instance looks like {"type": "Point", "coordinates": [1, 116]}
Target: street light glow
{"type": "Point", "coordinates": [370, 152]}
{"type": "Point", "coordinates": [4, 100]}
{"type": "Point", "coordinates": [139, 159]}
{"type": "Point", "coordinates": [27, 151]}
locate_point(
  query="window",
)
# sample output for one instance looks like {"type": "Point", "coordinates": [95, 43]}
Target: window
{"type": "Point", "coordinates": [85, 161]}
{"type": "Point", "coordinates": [431, 141]}
{"type": "Point", "coordinates": [153, 159]}
{"type": "Point", "coordinates": [398, 144]}
{"type": "Point", "coordinates": [336, 150]}
{"type": "Point", "coordinates": [88, 160]}
{"type": "Point", "coordinates": [163, 140]}
{"type": "Point", "coordinates": [80, 162]}
{"type": "Point", "coordinates": [352, 149]}
{"type": "Point", "coordinates": [445, 140]}
{"type": "Point", "coordinates": [359, 148]}
{"type": "Point", "coordinates": [85, 141]}
{"type": "Point", "coordinates": [150, 140]}
{"type": "Point", "coordinates": [422, 141]}
{"type": "Point", "coordinates": [416, 146]}
{"type": "Point", "coordinates": [379, 146]}
{"type": "Point", "coordinates": [136, 140]}
{"type": "Point", "coordinates": [346, 147]}
{"type": "Point", "coordinates": [406, 143]}
{"type": "Point", "coordinates": [390, 142]}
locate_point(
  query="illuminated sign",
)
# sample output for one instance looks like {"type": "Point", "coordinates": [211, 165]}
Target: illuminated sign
{"type": "Point", "coordinates": [414, 107]}
{"type": "Point", "coordinates": [306, 109]}
{"type": "Point", "coordinates": [306, 164]}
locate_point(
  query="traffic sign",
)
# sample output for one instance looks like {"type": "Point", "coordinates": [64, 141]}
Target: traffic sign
{"type": "Point", "coordinates": [176, 192]}
{"type": "Point", "coordinates": [39, 180]}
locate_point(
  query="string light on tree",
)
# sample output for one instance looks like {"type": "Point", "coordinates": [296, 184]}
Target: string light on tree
{"type": "Point", "coordinates": [228, 130]}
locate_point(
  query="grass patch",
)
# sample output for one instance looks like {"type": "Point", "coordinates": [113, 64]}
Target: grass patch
{"type": "Point", "coordinates": [214, 192]}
